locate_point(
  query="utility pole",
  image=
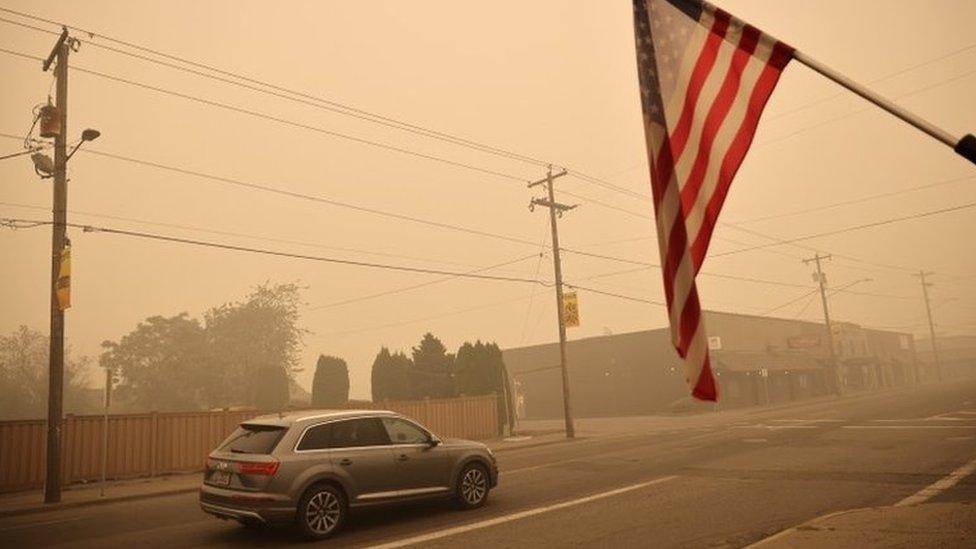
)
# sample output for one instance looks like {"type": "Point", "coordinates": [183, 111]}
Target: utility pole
{"type": "Point", "coordinates": [822, 281]}
{"type": "Point", "coordinates": [52, 479]}
{"type": "Point", "coordinates": [928, 309]}
{"type": "Point", "coordinates": [556, 209]}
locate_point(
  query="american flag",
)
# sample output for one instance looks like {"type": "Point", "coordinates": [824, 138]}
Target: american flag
{"type": "Point", "coordinates": [705, 77]}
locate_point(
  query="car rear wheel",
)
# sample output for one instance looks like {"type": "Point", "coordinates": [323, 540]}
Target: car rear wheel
{"type": "Point", "coordinates": [472, 486]}
{"type": "Point", "coordinates": [321, 512]}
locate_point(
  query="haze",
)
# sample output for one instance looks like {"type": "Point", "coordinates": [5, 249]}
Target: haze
{"type": "Point", "coordinates": [551, 80]}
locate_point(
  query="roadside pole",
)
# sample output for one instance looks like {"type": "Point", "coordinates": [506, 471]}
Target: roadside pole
{"type": "Point", "coordinates": [108, 402]}
{"type": "Point", "coordinates": [928, 310]}
{"type": "Point", "coordinates": [52, 479]}
{"type": "Point", "coordinates": [822, 281]}
{"type": "Point", "coordinates": [556, 209]}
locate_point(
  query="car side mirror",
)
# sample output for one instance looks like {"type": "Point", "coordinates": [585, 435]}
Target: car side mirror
{"type": "Point", "coordinates": [433, 441]}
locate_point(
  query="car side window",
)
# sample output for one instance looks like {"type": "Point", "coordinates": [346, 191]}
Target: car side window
{"type": "Point", "coordinates": [354, 433]}
{"type": "Point", "coordinates": [404, 432]}
{"type": "Point", "coordinates": [317, 438]}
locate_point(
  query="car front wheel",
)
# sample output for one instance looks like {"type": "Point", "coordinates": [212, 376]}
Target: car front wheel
{"type": "Point", "coordinates": [321, 512]}
{"type": "Point", "coordinates": [472, 486]}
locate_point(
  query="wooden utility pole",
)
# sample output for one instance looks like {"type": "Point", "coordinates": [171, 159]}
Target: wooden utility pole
{"type": "Point", "coordinates": [556, 210]}
{"type": "Point", "coordinates": [52, 479]}
{"type": "Point", "coordinates": [928, 310]}
{"type": "Point", "coordinates": [822, 281]}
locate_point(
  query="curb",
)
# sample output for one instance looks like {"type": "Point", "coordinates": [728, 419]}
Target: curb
{"type": "Point", "coordinates": [42, 508]}
{"type": "Point", "coordinates": [538, 444]}
{"type": "Point", "coordinates": [790, 530]}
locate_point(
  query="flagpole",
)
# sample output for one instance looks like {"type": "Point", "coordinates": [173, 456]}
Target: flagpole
{"type": "Point", "coordinates": [965, 147]}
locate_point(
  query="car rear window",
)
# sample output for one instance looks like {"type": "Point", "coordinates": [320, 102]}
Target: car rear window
{"type": "Point", "coordinates": [253, 439]}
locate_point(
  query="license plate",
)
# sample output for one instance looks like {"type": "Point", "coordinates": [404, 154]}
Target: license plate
{"type": "Point", "coordinates": [221, 478]}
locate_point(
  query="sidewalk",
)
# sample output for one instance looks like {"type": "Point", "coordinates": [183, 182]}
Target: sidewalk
{"type": "Point", "coordinates": [80, 495]}
{"type": "Point", "coordinates": [923, 525]}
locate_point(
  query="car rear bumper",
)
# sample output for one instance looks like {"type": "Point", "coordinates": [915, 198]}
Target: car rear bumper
{"type": "Point", "coordinates": [234, 504]}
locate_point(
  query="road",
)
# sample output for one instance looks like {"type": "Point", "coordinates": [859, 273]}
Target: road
{"type": "Point", "coordinates": [722, 479]}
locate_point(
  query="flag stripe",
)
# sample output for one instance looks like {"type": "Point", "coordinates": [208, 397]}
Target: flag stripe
{"type": "Point", "coordinates": [705, 78]}
{"type": "Point", "coordinates": [676, 141]}
{"type": "Point", "coordinates": [740, 145]}
{"type": "Point", "coordinates": [716, 117]}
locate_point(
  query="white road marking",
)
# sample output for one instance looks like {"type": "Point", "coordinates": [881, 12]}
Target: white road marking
{"type": "Point", "coordinates": [42, 523]}
{"type": "Point", "coordinates": [959, 438]}
{"type": "Point", "coordinates": [775, 427]}
{"type": "Point", "coordinates": [946, 417]}
{"type": "Point", "coordinates": [813, 420]}
{"type": "Point", "coordinates": [755, 440]}
{"type": "Point", "coordinates": [908, 427]}
{"type": "Point", "coordinates": [939, 486]}
{"type": "Point", "coordinates": [424, 538]}
{"type": "Point", "coordinates": [965, 412]}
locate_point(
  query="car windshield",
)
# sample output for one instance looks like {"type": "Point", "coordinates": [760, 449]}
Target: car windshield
{"type": "Point", "coordinates": [253, 439]}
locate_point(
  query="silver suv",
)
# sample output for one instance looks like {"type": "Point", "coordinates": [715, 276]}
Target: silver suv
{"type": "Point", "coordinates": [311, 467]}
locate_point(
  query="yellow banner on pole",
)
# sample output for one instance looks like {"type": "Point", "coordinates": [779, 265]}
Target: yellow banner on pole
{"type": "Point", "coordinates": [64, 279]}
{"type": "Point", "coordinates": [571, 310]}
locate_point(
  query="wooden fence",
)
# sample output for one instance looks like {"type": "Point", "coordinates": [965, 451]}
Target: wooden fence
{"type": "Point", "coordinates": [141, 445]}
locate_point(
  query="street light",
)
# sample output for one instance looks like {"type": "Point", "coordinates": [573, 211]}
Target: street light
{"type": "Point", "coordinates": [44, 166]}
{"type": "Point", "coordinates": [87, 135]}
{"type": "Point", "coordinates": [849, 284]}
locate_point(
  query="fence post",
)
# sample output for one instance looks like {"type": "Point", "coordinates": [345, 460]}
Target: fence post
{"type": "Point", "coordinates": [153, 445]}
{"type": "Point", "coordinates": [67, 445]}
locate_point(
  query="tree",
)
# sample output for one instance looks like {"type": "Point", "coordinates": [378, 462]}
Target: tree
{"type": "Point", "coordinates": [269, 392]}
{"type": "Point", "coordinates": [480, 370]}
{"type": "Point", "coordinates": [255, 342]}
{"type": "Point", "coordinates": [389, 376]}
{"type": "Point", "coordinates": [161, 365]}
{"type": "Point", "coordinates": [330, 387]}
{"type": "Point", "coordinates": [432, 374]}
{"type": "Point", "coordinates": [24, 377]}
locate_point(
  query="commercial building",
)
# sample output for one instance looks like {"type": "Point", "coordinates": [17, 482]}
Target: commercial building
{"type": "Point", "coordinates": [756, 360]}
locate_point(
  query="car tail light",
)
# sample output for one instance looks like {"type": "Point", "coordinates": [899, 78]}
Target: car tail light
{"type": "Point", "coordinates": [268, 468]}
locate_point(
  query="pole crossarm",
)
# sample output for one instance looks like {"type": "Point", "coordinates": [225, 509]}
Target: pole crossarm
{"type": "Point", "coordinates": [547, 179]}
{"type": "Point", "coordinates": [546, 203]}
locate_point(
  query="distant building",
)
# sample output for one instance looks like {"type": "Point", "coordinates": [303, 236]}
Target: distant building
{"type": "Point", "coordinates": [957, 354]}
{"type": "Point", "coordinates": [756, 360]}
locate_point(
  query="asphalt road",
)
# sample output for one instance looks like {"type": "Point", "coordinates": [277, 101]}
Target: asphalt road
{"type": "Point", "coordinates": [725, 479]}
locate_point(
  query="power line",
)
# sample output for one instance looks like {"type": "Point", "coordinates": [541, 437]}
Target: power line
{"type": "Point", "coordinates": [775, 116]}
{"type": "Point", "coordinates": [416, 286]}
{"type": "Point", "coordinates": [265, 251]}
{"type": "Point", "coordinates": [292, 194]}
{"type": "Point", "coordinates": [276, 90]}
{"type": "Point", "coordinates": [318, 102]}
{"type": "Point", "coordinates": [850, 229]}
{"type": "Point", "coordinates": [647, 265]}
{"type": "Point", "coordinates": [279, 120]}
{"type": "Point", "coordinates": [619, 296]}
{"type": "Point", "coordinates": [196, 228]}
{"type": "Point", "coordinates": [790, 302]}
{"type": "Point", "coordinates": [857, 200]}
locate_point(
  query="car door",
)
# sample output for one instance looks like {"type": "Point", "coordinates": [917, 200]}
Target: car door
{"type": "Point", "coordinates": [423, 468]}
{"type": "Point", "coordinates": [361, 452]}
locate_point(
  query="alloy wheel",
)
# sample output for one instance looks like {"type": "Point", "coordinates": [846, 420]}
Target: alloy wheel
{"type": "Point", "coordinates": [474, 486]}
{"type": "Point", "coordinates": [322, 512]}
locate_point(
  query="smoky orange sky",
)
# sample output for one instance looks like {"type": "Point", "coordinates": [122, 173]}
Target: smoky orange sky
{"type": "Point", "coordinates": [551, 80]}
